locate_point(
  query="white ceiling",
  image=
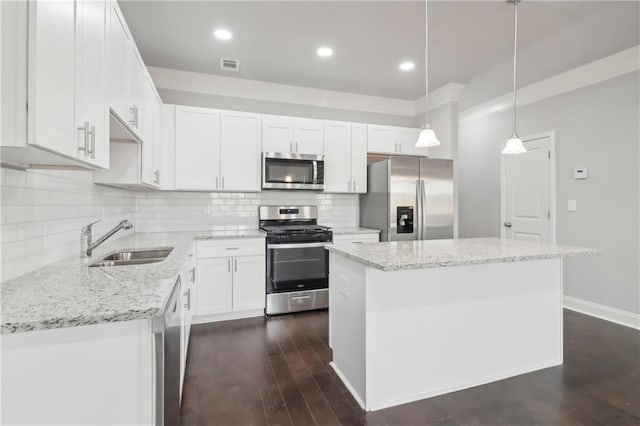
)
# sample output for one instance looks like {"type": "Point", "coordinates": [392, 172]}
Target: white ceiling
{"type": "Point", "coordinates": [276, 41]}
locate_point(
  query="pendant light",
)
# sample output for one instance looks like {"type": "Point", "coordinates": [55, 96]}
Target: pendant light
{"type": "Point", "coordinates": [514, 144]}
{"type": "Point", "coordinates": [427, 137]}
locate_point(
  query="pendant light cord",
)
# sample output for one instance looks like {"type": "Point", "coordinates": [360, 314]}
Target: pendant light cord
{"type": "Point", "coordinates": [426, 63]}
{"type": "Point", "coordinates": [515, 60]}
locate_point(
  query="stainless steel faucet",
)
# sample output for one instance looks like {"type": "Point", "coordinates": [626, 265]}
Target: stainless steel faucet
{"type": "Point", "coordinates": [86, 238]}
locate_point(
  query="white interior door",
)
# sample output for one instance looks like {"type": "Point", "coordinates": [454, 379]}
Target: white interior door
{"type": "Point", "coordinates": [527, 191]}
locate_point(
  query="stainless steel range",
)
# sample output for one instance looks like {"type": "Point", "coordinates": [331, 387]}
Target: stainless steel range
{"type": "Point", "coordinates": [297, 263]}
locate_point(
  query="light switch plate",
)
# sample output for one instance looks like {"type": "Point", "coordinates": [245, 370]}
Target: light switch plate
{"type": "Point", "coordinates": [572, 206]}
{"type": "Point", "coordinates": [580, 173]}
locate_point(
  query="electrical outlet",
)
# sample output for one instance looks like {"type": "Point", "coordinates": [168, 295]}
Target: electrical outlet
{"type": "Point", "coordinates": [572, 206]}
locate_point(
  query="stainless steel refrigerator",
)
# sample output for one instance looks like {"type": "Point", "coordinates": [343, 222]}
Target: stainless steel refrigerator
{"type": "Point", "coordinates": [409, 199]}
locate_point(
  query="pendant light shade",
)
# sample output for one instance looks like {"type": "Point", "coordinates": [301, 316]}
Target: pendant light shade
{"type": "Point", "coordinates": [427, 137]}
{"type": "Point", "coordinates": [514, 145]}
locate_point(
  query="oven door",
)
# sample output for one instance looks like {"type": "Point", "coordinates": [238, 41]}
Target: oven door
{"type": "Point", "coordinates": [295, 267]}
{"type": "Point", "coordinates": [291, 171]}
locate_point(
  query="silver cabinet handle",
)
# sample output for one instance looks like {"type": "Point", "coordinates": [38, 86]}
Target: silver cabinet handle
{"type": "Point", "coordinates": [216, 182]}
{"type": "Point", "coordinates": [157, 179]}
{"type": "Point", "coordinates": [290, 146]}
{"type": "Point", "coordinates": [92, 151]}
{"type": "Point", "coordinates": [232, 248]}
{"type": "Point", "coordinates": [354, 185]}
{"type": "Point", "coordinates": [192, 275]}
{"type": "Point", "coordinates": [134, 119]}
{"type": "Point", "coordinates": [229, 265]}
{"type": "Point", "coordinates": [235, 265]}
{"type": "Point", "coordinates": [188, 295]}
{"type": "Point", "coordinates": [349, 185]}
{"type": "Point", "coordinates": [85, 129]}
{"type": "Point", "coordinates": [399, 147]}
{"type": "Point", "coordinates": [222, 182]}
{"type": "Point", "coordinates": [396, 147]}
{"type": "Point", "coordinates": [296, 146]}
{"type": "Point", "coordinates": [508, 225]}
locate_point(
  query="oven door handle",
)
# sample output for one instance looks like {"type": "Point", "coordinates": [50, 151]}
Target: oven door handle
{"type": "Point", "coordinates": [295, 246]}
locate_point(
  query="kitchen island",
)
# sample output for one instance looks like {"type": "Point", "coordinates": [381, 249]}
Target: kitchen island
{"type": "Point", "coordinates": [415, 319]}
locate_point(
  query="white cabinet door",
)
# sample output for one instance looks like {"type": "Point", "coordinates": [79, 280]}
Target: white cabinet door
{"type": "Point", "coordinates": [240, 161]}
{"type": "Point", "coordinates": [382, 139]}
{"type": "Point", "coordinates": [197, 148]}
{"type": "Point", "coordinates": [52, 77]}
{"type": "Point", "coordinates": [337, 152]}
{"type": "Point", "coordinates": [308, 136]}
{"type": "Point", "coordinates": [136, 91]}
{"type": "Point", "coordinates": [248, 283]}
{"type": "Point", "coordinates": [407, 138]}
{"type": "Point", "coordinates": [359, 158]}
{"type": "Point", "coordinates": [118, 70]}
{"type": "Point", "coordinates": [214, 286]}
{"type": "Point", "coordinates": [149, 147]}
{"type": "Point", "coordinates": [92, 106]}
{"type": "Point", "coordinates": [277, 134]}
{"type": "Point", "coordinates": [157, 139]}
{"type": "Point", "coordinates": [168, 142]}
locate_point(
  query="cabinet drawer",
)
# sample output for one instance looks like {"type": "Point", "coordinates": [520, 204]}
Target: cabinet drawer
{"type": "Point", "coordinates": [232, 247]}
{"type": "Point", "coordinates": [356, 238]}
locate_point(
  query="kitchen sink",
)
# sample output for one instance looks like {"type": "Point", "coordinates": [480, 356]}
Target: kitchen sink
{"type": "Point", "coordinates": [133, 257]}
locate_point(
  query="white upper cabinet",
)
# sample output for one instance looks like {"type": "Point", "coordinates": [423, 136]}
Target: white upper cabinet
{"type": "Point", "coordinates": [308, 136]}
{"type": "Point", "coordinates": [197, 148]}
{"type": "Point", "coordinates": [337, 152]}
{"type": "Point", "coordinates": [345, 150]}
{"type": "Point", "coordinates": [150, 145]}
{"type": "Point", "coordinates": [91, 93]}
{"type": "Point", "coordinates": [127, 76]}
{"type": "Point", "coordinates": [67, 79]}
{"type": "Point", "coordinates": [292, 134]}
{"type": "Point", "coordinates": [359, 158]}
{"type": "Point", "coordinates": [167, 129]}
{"type": "Point", "coordinates": [277, 134]}
{"type": "Point", "coordinates": [394, 140]}
{"type": "Point", "coordinates": [119, 52]}
{"type": "Point", "coordinates": [239, 156]}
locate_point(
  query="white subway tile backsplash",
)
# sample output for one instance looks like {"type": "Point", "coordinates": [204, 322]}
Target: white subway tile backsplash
{"type": "Point", "coordinates": [42, 211]}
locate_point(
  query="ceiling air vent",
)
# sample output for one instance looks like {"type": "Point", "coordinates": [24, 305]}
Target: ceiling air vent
{"type": "Point", "coordinates": [227, 64]}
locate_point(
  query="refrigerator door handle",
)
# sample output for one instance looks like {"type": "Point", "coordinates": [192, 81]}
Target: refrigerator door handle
{"type": "Point", "coordinates": [423, 210]}
{"type": "Point", "coordinates": [418, 210]}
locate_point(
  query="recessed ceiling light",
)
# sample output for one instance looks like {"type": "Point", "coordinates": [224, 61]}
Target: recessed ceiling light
{"type": "Point", "coordinates": [222, 34]}
{"type": "Point", "coordinates": [325, 52]}
{"type": "Point", "coordinates": [407, 66]}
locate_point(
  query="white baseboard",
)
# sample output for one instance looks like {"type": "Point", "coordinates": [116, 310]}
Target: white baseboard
{"type": "Point", "coordinates": [348, 385]}
{"type": "Point", "coordinates": [204, 319]}
{"type": "Point", "coordinates": [607, 313]}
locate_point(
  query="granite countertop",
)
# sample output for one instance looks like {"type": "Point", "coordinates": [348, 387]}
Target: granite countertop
{"type": "Point", "coordinates": [69, 293]}
{"type": "Point", "coordinates": [351, 230]}
{"type": "Point", "coordinates": [400, 255]}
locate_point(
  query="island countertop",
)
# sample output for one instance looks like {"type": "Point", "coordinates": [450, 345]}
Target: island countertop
{"type": "Point", "coordinates": [69, 293]}
{"type": "Point", "coordinates": [400, 255]}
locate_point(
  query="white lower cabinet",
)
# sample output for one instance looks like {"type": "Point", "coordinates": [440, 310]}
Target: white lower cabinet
{"type": "Point", "coordinates": [356, 238]}
{"type": "Point", "coordinates": [230, 279]}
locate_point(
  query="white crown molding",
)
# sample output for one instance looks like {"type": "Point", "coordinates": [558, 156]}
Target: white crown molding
{"type": "Point", "coordinates": [607, 313]}
{"type": "Point", "coordinates": [594, 72]}
{"type": "Point", "coordinates": [274, 92]}
{"type": "Point", "coordinates": [448, 93]}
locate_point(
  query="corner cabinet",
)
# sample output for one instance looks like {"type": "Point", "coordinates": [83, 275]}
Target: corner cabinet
{"type": "Point", "coordinates": [391, 140]}
{"type": "Point", "coordinates": [292, 134]}
{"type": "Point", "coordinates": [345, 150]}
{"type": "Point", "coordinates": [230, 279]}
{"type": "Point", "coordinates": [216, 150]}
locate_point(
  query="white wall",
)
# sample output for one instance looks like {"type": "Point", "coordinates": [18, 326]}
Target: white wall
{"type": "Point", "coordinates": [596, 127]}
{"type": "Point", "coordinates": [43, 211]}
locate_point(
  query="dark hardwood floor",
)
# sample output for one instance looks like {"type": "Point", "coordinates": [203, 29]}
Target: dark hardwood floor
{"type": "Point", "coordinates": [276, 372]}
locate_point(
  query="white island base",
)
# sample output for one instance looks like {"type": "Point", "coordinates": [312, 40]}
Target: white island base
{"type": "Point", "coordinates": [403, 335]}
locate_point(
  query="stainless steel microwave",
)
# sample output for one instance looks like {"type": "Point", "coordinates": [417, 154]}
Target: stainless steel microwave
{"type": "Point", "coordinates": [292, 171]}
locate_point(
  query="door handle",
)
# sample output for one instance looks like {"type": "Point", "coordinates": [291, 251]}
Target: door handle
{"type": "Point", "coordinates": [507, 225]}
